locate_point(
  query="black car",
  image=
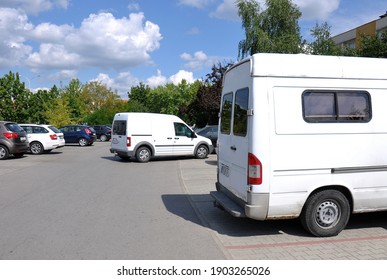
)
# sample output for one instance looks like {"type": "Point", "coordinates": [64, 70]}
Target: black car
{"type": "Point", "coordinates": [82, 134]}
{"type": "Point", "coordinates": [13, 140]}
{"type": "Point", "coordinates": [209, 131]}
{"type": "Point", "coordinates": [104, 132]}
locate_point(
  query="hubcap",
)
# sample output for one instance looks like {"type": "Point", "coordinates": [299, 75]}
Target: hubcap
{"type": "Point", "coordinates": [144, 155]}
{"type": "Point", "coordinates": [2, 153]}
{"type": "Point", "coordinates": [327, 214]}
{"type": "Point", "coordinates": [36, 149]}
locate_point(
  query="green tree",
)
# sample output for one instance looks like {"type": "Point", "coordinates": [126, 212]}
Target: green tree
{"type": "Point", "coordinates": [373, 46]}
{"type": "Point", "coordinates": [100, 103]}
{"type": "Point", "coordinates": [323, 44]}
{"type": "Point", "coordinates": [205, 108]}
{"type": "Point", "coordinates": [13, 98]}
{"type": "Point", "coordinates": [274, 30]}
{"type": "Point", "coordinates": [60, 113]}
{"type": "Point", "coordinates": [73, 94]}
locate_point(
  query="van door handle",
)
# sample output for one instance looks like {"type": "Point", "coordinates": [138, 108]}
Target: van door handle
{"type": "Point", "coordinates": [169, 138]}
{"type": "Point", "coordinates": [233, 148]}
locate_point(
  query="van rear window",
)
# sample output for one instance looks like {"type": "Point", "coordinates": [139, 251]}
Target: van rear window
{"type": "Point", "coordinates": [119, 128]}
{"type": "Point", "coordinates": [336, 106]}
{"type": "Point", "coordinates": [225, 124]}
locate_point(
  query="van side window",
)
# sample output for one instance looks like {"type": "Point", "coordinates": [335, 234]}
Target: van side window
{"type": "Point", "coordinates": [182, 130]}
{"type": "Point", "coordinates": [225, 124]}
{"type": "Point", "coordinates": [119, 128]}
{"type": "Point", "coordinates": [336, 106]}
{"type": "Point", "coordinates": [240, 112]}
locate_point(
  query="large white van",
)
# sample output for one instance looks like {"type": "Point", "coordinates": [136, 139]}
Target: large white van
{"type": "Point", "coordinates": [144, 135]}
{"type": "Point", "coordinates": [303, 136]}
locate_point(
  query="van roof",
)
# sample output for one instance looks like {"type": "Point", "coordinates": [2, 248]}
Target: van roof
{"type": "Point", "coordinates": [316, 66]}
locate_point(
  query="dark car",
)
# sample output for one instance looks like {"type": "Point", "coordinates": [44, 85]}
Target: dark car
{"type": "Point", "coordinates": [82, 134]}
{"type": "Point", "coordinates": [211, 132]}
{"type": "Point", "coordinates": [104, 132]}
{"type": "Point", "coordinates": [13, 140]}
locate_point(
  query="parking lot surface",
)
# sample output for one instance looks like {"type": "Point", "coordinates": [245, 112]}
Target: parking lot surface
{"type": "Point", "coordinates": [365, 237]}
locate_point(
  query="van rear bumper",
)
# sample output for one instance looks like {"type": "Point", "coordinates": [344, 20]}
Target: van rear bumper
{"type": "Point", "coordinates": [256, 207]}
{"type": "Point", "coordinates": [121, 153]}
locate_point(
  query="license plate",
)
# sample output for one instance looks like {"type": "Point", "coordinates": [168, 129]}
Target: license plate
{"type": "Point", "coordinates": [225, 170]}
{"type": "Point", "coordinates": [23, 139]}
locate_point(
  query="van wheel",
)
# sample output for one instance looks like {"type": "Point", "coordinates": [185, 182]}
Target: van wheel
{"type": "Point", "coordinates": [201, 152]}
{"type": "Point", "coordinates": [4, 154]}
{"type": "Point", "coordinates": [143, 154]}
{"type": "Point", "coordinates": [326, 213]}
{"type": "Point", "coordinates": [36, 148]}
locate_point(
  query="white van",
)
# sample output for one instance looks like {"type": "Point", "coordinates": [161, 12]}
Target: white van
{"type": "Point", "coordinates": [303, 136]}
{"type": "Point", "coordinates": [144, 135]}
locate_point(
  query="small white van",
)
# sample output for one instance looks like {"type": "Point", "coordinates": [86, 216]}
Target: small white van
{"type": "Point", "coordinates": [303, 136]}
{"type": "Point", "coordinates": [146, 135]}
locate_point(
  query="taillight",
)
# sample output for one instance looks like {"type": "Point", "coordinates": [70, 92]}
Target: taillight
{"type": "Point", "coordinates": [54, 137]}
{"type": "Point", "coordinates": [255, 170]}
{"type": "Point", "coordinates": [88, 131]}
{"type": "Point", "coordinates": [10, 135]}
{"type": "Point", "coordinates": [128, 142]}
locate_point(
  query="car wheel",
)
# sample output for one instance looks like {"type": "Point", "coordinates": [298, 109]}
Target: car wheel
{"type": "Point", "coordinates": [4, 154]}
{"type": "Point", "coordinates": [36, 148]}
{"type": "Point", "coordinates": [82, 142]}
{"type": "Point", "coordinates": [103, 138]}
{"type": "Point", "coordinates": [326, 213]}
{"type": "Point", "coordinates": [143, 154]}
{"type": "Point", "coordinates": [201, 152]}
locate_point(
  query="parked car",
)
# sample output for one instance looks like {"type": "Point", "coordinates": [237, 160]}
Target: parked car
{"type": "Point", "coordinates": [104, 132]}
{"type": "Point", "coordinates": [211, 132]}
{"type": "Point", "coordinates": [82, 134]}
{"type": "Point", "coordinates": [13, 140]}
{"type": "Point", "coordinates": [43, 138]}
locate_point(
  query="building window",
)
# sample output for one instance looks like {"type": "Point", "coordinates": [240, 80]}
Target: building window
{"type": "Point", "coordinates": [336, 106]}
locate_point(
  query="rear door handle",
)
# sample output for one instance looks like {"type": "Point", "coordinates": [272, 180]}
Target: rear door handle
{"type": "Point", "coordinates": [233, 148]}
{"type": "Point", "coordinates": [169, 138]}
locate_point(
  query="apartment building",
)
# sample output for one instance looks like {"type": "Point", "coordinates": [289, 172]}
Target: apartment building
{"type": "Point", "coordinates": [352, 37]}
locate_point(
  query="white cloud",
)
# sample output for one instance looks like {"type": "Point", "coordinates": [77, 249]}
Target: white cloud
{"type": "Point", "coordinates": [317, 9]}
{"type": "Point", "coordinates": [182, 75]}
{"type": "Point", "coordinates": [198, 60]}
{"type": "Point", "coordinates": [36, 6]}
{"type": "Point", "coordinates": [156, 80]}
{"type": "Point", "coordinates": [102, 40]}
{"type": "Point", "coordinates": [226, 10]}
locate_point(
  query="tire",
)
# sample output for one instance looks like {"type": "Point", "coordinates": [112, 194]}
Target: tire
{"type": "Point", "coordinates": [36, 148]}
{"type": "Point", "coordinates": [326, 213]}
{"type": "Point", "coordinates": [143, 154]}
{"type": "Point", "coordinates": [201, 152]}
{"type": "Point", "coordinates": [82, 142]}
{"type": "Point", "coordinates": [4, 154]}
{"type": "Point", "coordinates": [103, 138]}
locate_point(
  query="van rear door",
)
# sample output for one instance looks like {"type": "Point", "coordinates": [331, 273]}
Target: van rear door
{"type": "Point", "coordinates": [119, 138]}
{"type": "Point", "coordinates": [233, 142]}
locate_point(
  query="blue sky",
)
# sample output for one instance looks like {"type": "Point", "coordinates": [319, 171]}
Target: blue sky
{"type": "Point", "coordinates": [124, 42]}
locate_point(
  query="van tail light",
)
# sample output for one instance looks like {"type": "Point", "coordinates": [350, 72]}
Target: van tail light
{"type": "Point", "coordinates": [255, 170]}
{"type": "Point", "coordinates": [53, 137]}
{"type": "Point", "coordinates": [128, 142]}
{"type": "Point", "coordinates": [10, 135]}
